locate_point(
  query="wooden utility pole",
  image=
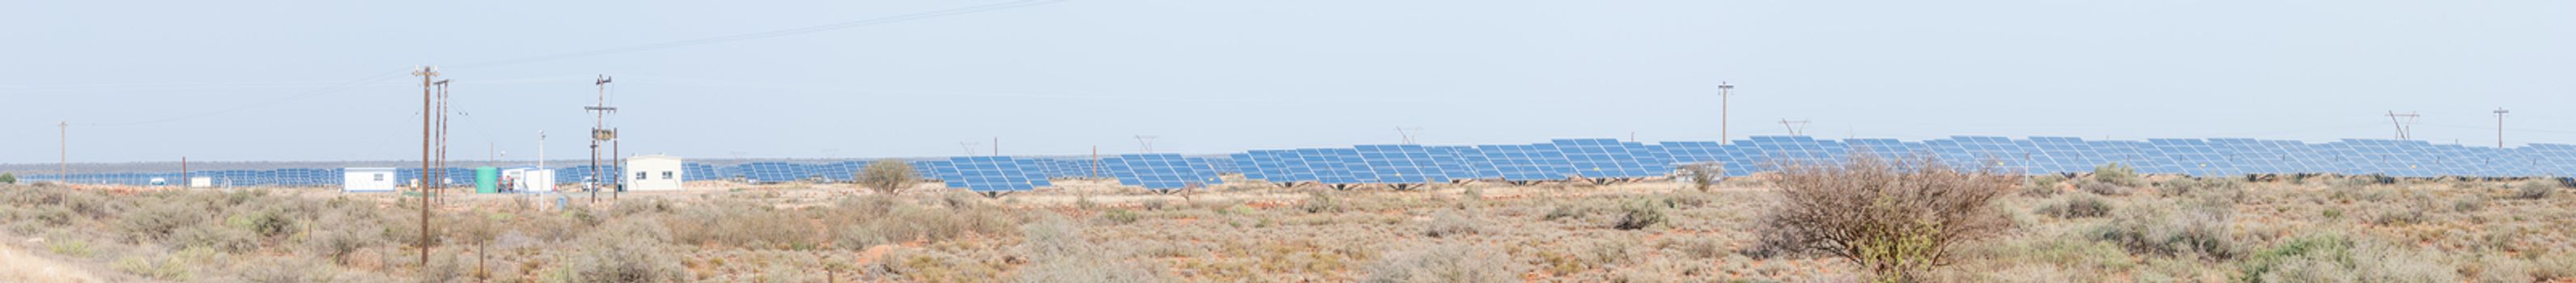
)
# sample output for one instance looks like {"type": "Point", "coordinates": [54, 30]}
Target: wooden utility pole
{"type": "Point", "coordinates": [427, 75]}
{"type": "Point", "coordinates": [599, 132]}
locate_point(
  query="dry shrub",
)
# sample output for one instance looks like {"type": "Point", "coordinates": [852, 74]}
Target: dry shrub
{"type": "Point", "coordinates": [1895, 220]}
{"type": "Point", "coordinates": [2117, 174]}
{"type": "Point", "coordinates": [2534, 189]}
{"type": "Point", "coordinates": [2102, 188]}
{"type": "Point", "coordinates": [339, 234]}
{"type": "Point", "coordinates": [1320, 202]}
{"type": "Point", "coordinates": [886, 176]}
{"type": "Point", "coordinates": [745, 225]}
{"type": "Point", "coordinates": [632, 251]}
{"type": "Point", "coordinates": [286, 270]}
{"type": "Point", "coordinates": [158, 266]}
{"type": "Point", "coordinates": [214, 237]}
{"type": "Point", "coordinates": [2161, 229]}
{"type": "Point", "coordinates": [2334, 258]}
{"type": "Point", "coordinates": [1453, 262]}
{"type": "Point", "coordinates": [1058, 253]}
{"type": "Point", "coordinates": [869, 220]}
{"type": "Point", "coordinates": [2220, 187]}
{"type": "Point", "coordinates": [1449, 223]}
{"type": "Point", "coordinates": [2076, 205]}
{"type": "Point", "coordinates": [1704, 175]}
{"type": "Point", "coordinates": [1640, 213]}
{"type": "Point", "coordinates": [2042, 186]}
{"type": "Point", "coordinates": [158, 219]}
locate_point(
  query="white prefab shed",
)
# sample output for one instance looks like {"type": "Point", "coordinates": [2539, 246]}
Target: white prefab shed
{"type": "Point", "coordinates": [367, 180]}
{"type": "Point", "coordinates": [652, 173]}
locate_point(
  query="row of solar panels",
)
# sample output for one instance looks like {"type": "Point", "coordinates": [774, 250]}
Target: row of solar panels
{"type": "Point", "coordinates": [1607, 158]}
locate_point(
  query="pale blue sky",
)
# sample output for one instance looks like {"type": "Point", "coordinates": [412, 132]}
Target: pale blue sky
{"type": "Point", "coordinates": [245, 80]}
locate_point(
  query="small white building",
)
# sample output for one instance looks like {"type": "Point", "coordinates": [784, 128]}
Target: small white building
{"type": "Point", "coordinates": [531, 180]}
{"type": "Point", "coordinates": [367, 180]}
{"type": "Point", "coordinates": [652, 173]}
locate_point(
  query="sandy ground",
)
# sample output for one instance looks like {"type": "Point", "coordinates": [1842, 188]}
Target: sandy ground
{"type": "Point", "coordinates": [17, 265]}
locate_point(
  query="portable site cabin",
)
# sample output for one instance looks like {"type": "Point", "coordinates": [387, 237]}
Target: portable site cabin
{"type": "Point", "coordinates": [652, 173]}
{"type": "Point", "coordinates": [367, 180]}
{"type": "Point", "coordinates": [530, 179]}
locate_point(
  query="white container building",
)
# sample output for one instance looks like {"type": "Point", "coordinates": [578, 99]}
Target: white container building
{"type": "Point", "coordinates": [653, 173]}
{"type": "Point", "coordinates": [367, 180]}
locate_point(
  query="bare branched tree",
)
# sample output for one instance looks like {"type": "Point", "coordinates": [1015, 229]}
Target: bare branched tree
{"type": "Point", "coordinates": [886, 176]}
{"type": "Point", "coordinates": [1896, 219]}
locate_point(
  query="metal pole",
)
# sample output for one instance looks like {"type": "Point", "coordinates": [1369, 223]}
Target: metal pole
{"type": "Point", "coordinates": [63, 173]}
{"type": "Point", "coordinates": [1723, 90]}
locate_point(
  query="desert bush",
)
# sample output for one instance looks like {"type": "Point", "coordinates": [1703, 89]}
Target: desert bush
{"type": "Point", "coordinates": [2535, 189]}
{"type": "Point", "coordinates": [901, 221]}
{"type": "Point", "coordinates": [744, 225]}
{"type": "Point", "coordinates": [158, 219]}
{"type": "Point", "coordinates": [213, 237]}
{"type": "Point", "coordinates": [1120, 216]}
{"type": "Point", "coordinates": [2077, 205]}
{"type": "Point", "coordinates": [282, 270]}
{"type": "Point", "coordinates": [2494, 268]}
{"type": "Point", "coordinates": [2200, 186]}
{"type": "Point", "coordinates": [1697, 247]}
{"type": "Point", "coordinates": [1776, 237]}
{"type": "Point", "coordinates": [1639, 214]}
{"type": "Point", "coordinates": [162, 267]}
{"type": "Point", "coordinates": [1449, 223]}
{"type": "Point", "coordinates": [1058, 253]}
{"type": "Point", "coordinates": [1050, 237]}
{"type": "Point", "coordinates": [2161, 229]}
{"type": "Point", "coordinates": [886, 176]}
{"type": "Point", "coordinates": [338, 242]}
{"type": "Point", "coordinates": [1703, 176]}
{"type": "Point", "coordinates": [2042, 186]}
{"type": "Point", "coordinates": [1320, 202]}
{"type": "Point", "coordinates": [2334, 258]}
{"type": "Point", "coordinates": [2102, 188]}
{"type": "Point", "coordinates": [1455, 262]}
{"type": "Point", "coordinates": [2116, 174]}
{"type": "Point", "coordinates": [631, 207]}
{"type": "Point", "coordinates": [444, 266]}
{"type": "Point", "coordinates": [1894, 220]}
{"type": "Point", "coordinates": [630, 252]}
{"type": "Point", "coordinates": [7, 178]}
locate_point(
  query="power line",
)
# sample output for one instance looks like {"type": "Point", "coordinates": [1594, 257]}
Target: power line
{"type": "Point", "coordinates": [768, 34]}
{"type": "Point", "coordinates": [317, 92]}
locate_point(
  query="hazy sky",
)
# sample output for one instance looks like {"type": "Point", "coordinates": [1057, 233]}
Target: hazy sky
{"type": "Point", "coordinates": [264, 80]}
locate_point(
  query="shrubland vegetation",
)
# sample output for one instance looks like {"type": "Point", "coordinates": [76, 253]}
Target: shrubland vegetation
{"type": "Point", "coordinates": [1878, 221]}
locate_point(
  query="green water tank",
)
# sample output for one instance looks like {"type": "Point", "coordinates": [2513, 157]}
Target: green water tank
{"type": "Point", "coordinates": [487, 180]}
